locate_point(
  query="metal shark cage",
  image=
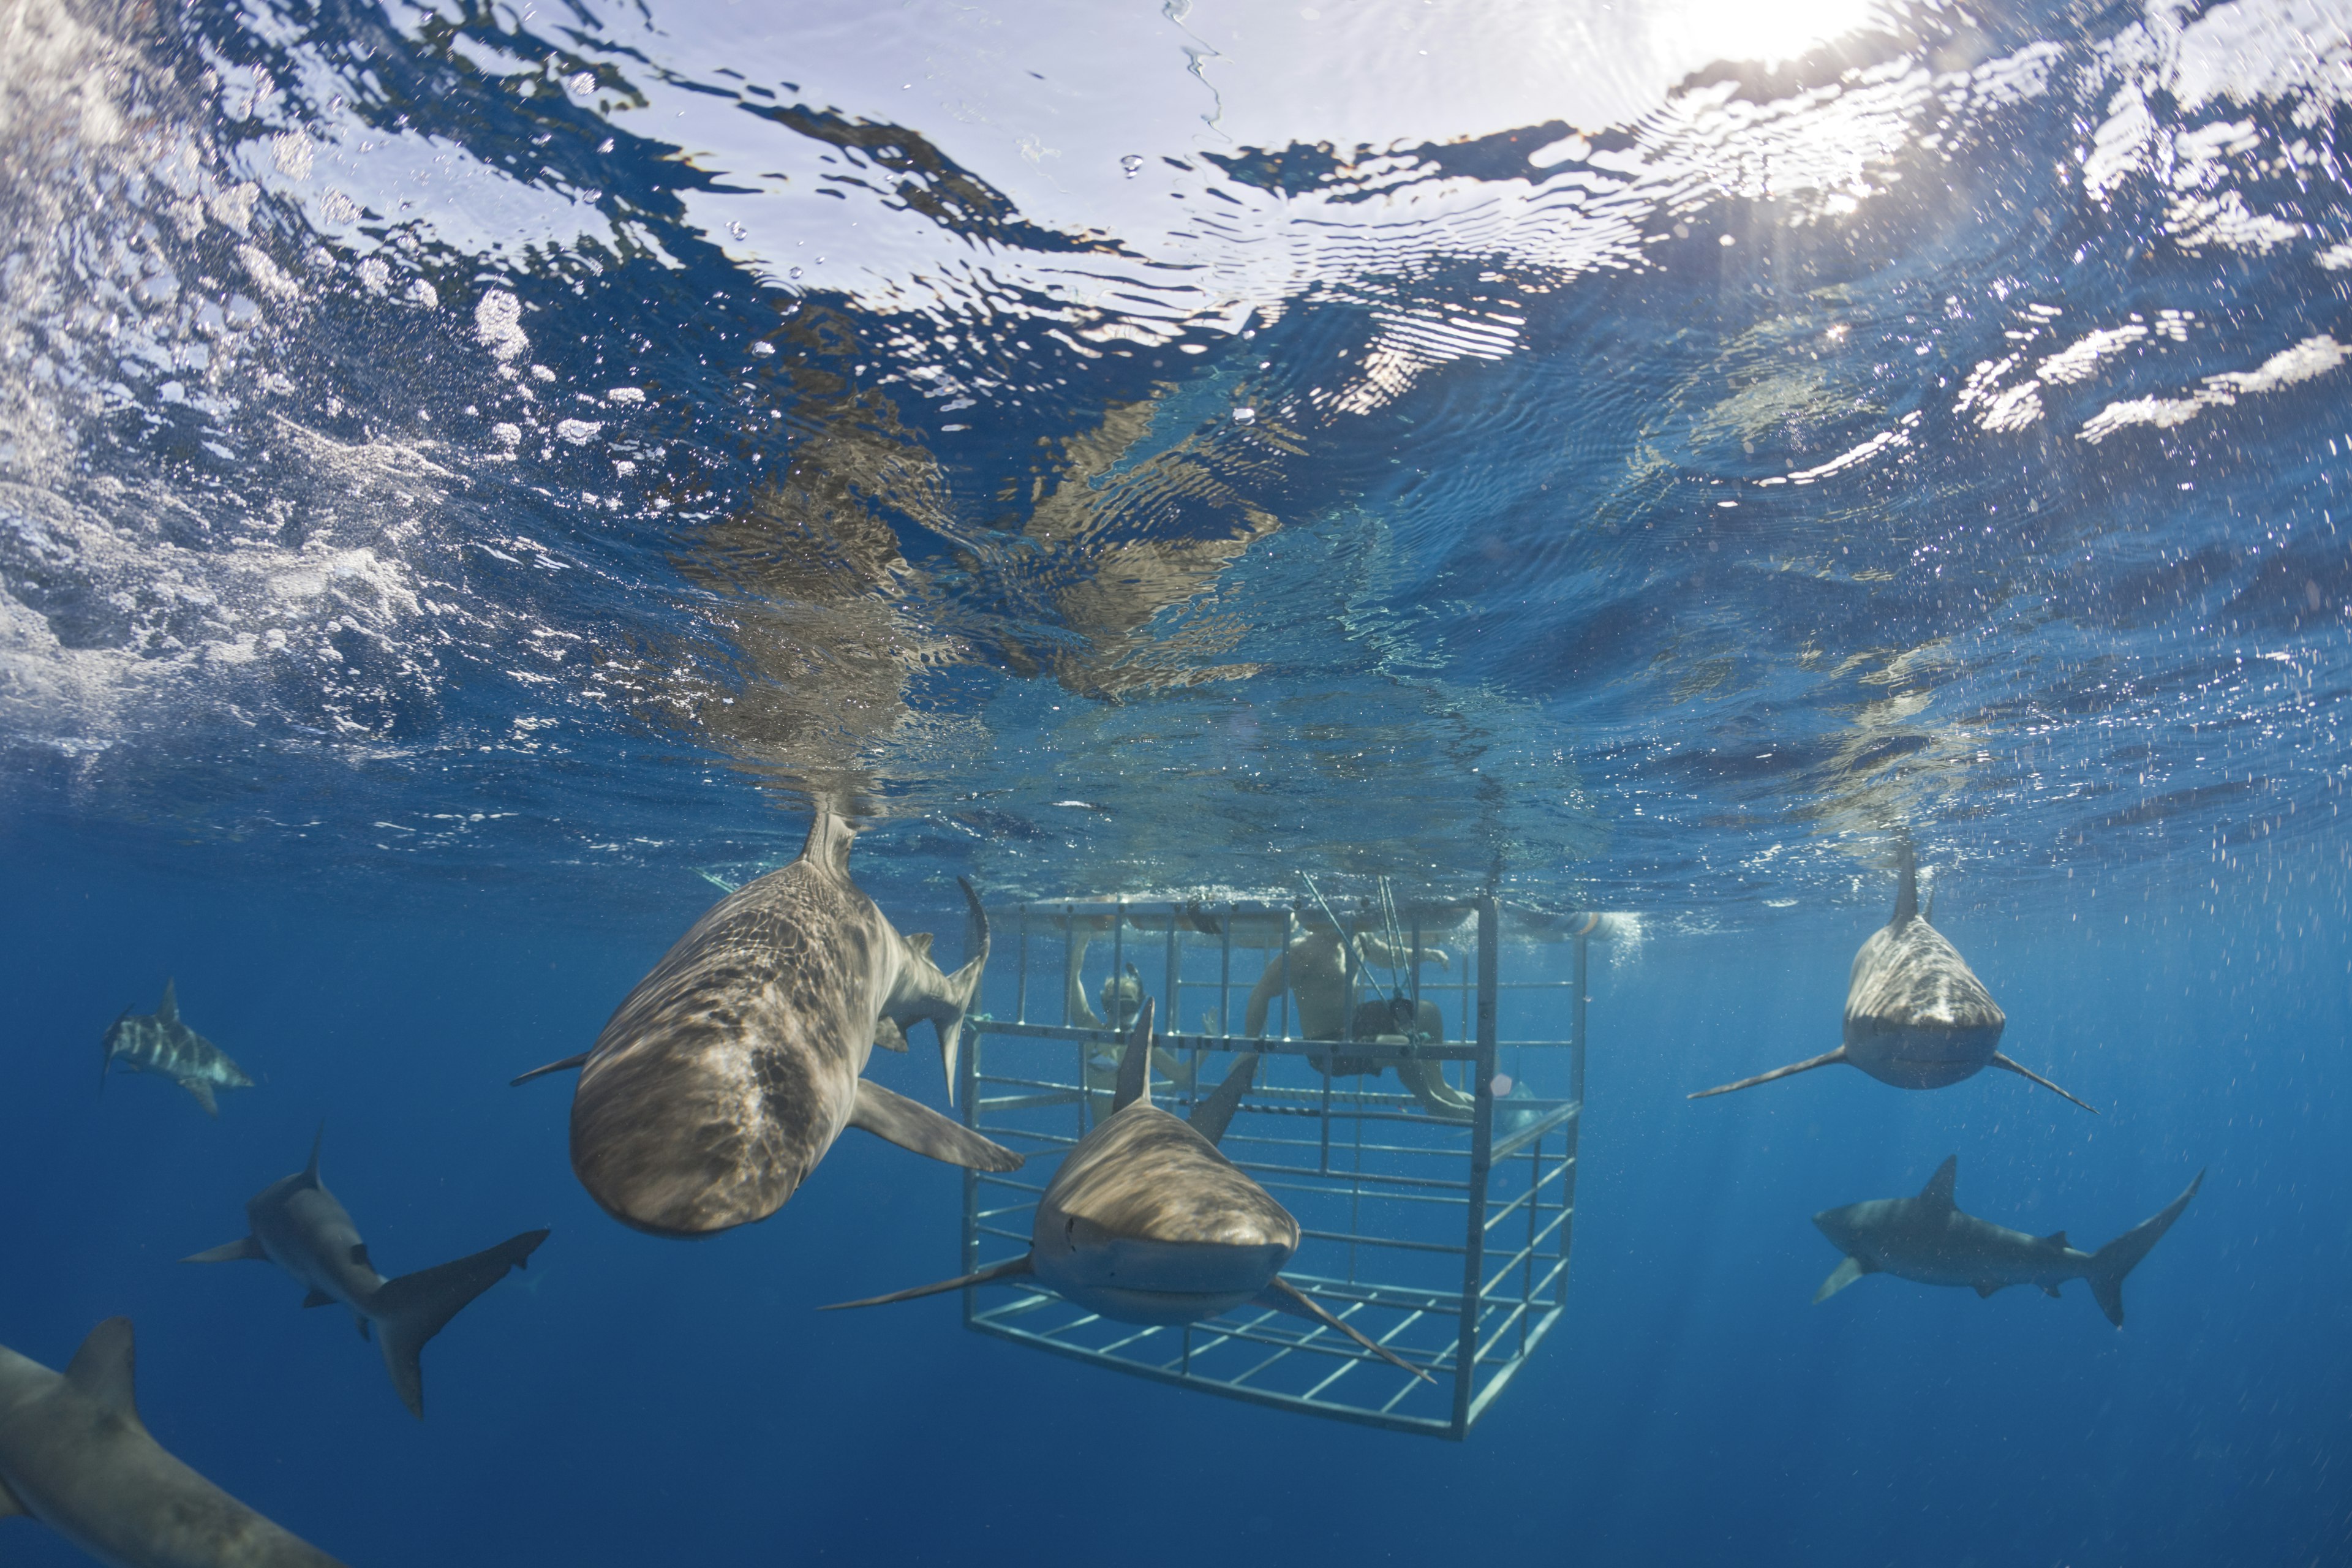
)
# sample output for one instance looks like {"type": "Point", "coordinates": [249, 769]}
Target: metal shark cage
{"type": "Point", "coordinates": [1446, 1241]}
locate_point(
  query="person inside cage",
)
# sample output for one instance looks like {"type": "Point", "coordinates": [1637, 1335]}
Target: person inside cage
{"type": "Point", "coordinates": [1318, 972]}
{"type": "Point", "coordinates": [1122, 999]}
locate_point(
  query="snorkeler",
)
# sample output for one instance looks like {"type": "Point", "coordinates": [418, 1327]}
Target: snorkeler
{"type": "Point", "coordinates": [1319, 980]}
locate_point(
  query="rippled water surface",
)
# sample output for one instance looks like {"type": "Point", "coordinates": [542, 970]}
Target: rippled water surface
{"type": "Point", "coordinates": [493, 466]}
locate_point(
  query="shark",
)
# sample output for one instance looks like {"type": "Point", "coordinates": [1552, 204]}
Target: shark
{"type": "Point", "coordinates": [1148, 1222]}
{"type": "Point", "coordinates": [1916, 1015]}
{"type": "Point", "coordinates": [1929, 1240]}
{"type": "Point", "coordinates": [721, 1079]}
{"type": "Point", "coordinates": [297, 1224]}
{"type": "Point", "coordinates": [159, 1042]}
{"type": "Point", "coordinates": [75, 1456]}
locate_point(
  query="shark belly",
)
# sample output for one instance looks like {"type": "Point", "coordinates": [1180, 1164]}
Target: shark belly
{"type": "Point", "coordinates": [1161, 1282]}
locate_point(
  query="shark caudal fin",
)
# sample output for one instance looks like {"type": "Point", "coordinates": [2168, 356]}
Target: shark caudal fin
{"type": "Point", "coordinates": [1134, 1063]}
{"type": "Point", "coordinates": [1012, 1269]}
{"type": "Point", "coordinates": [962, 987]}
{"type": "Point", "coordinates": [413, 1307]}
{"type": "Point", "coordinates": [1827, 1059]}
{"type": "Point", "coordinates": [2121, 1256]}
{"type": "Point", "coordinates": [1214, 1114]}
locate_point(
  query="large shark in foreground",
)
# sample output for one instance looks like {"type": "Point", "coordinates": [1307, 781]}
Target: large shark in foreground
{"type": "Point", "coordinates": [75, 1456]}
{"type": "Point", "coordinates": [1147, 1223]}
{"type": "Point", "coordinates": [298, 1225]}
{"type": "Point", "coordinates": [720, 1081]}
{"type": "Point", "coordinates": [1929, 1240]}
{"type": "Point", "coordinates": [1915, 1015]}
{"type": "Point", "coordinates": [159, 1042]}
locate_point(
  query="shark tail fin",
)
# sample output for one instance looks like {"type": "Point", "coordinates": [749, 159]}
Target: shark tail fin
{"type": "Point", "coordinates": [1827, 1059]}
{"type": "Point", "coordinates": [1214, 1114]}
{"type": "Point", "coordinates": [963, 986]}
{"type": "Point", "coordinates": [1284, 1297]}
{"type": "Point", "coordinates": [2003, 1063]}
{"type": "Point", "coordinates": [1134, 1063]}
{"type": "Point", "coordinates": [1011, 1268]}
{"type": "Point", "coordinates": [2121, 1256]}
{"type": "Point", "coordinates": [413, 1307]}
{"type": "Point", "coordinates": [106, 1051]}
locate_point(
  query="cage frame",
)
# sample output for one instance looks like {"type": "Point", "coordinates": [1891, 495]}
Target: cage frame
{"type": "Point", "coordinates": [1496, 1328]}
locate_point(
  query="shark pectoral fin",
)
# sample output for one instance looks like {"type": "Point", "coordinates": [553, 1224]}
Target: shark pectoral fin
{"type": "Point", "coordinates": [566, 1065]}
{"type": "Point", "coordinates": [1214, 1114]}
{"type": "Point", "coordinates": [319, 1299]}
{"type": "Point", "coordinates": [204, 1093]}
{"type": "Point", "coordinates": [415, 1307]}
{"type": "Point", "coordinates": [2006, 1065]}
{"type": "Point", "coordinates": [1844, 1275]}
{"type": "Point", "coordinates": [1284, 1297]}
{"type": "Point", "coordinates": [1827, 1059]}
{"type": "Point", "coordinates": [101, 1370]}
{"type": "Point", "coordinates": [1012, 1269]}
{"type": "Point", "coordinates": [889, 1036]}
{"type": "Point", "coordinates": [898, 1120]}
{"type": "Point", "coordinates": [230, 1252]}
{"type": "Point", "coordinates": [1986, 1287]}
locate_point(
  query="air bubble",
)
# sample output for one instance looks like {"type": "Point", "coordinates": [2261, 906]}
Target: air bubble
{"type": "Point", "coordinates": [1244, 416]}
{"type": "Point", "coordinates": [738, 230]}
{"type": "Point", "coordinates": [1132, 163]}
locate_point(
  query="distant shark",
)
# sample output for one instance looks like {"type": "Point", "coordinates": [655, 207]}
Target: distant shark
{"type": "Point", "coordinates": [1929, 1240]}
{"type": "Point", "coordinates": [724, 1078]}
{"type": "Point", "coordinates": [75, 1456]}
{"type": "Point", "coordinates": [1915, 1015]}
{"type": "Point", "coordinates": [158, 1042]}
{"type": "Point", "coordinates": [1146, 1222]}
{"type": "Point", "coordinates": [298, 1225]}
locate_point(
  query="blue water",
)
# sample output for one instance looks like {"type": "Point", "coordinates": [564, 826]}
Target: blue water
{"type": "Point", "coordinates": [1637, 462]}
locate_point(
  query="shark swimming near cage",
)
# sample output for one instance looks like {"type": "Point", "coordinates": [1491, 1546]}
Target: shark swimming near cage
{"type": "Point", "coordinates": [721, 1079]}
{"type": "Point", "coordinates": [1916, 1015]}
{"type": "Point", "coordinates": [1146, 1222]}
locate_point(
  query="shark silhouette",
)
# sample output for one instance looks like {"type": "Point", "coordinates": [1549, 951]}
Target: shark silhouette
{"type": "Point", "coordinates": [1915, 1015]}
{"type": "Point", "coordinates": [160, 1042]}
{"type": "Point", "coordinates": [1929, 1240]}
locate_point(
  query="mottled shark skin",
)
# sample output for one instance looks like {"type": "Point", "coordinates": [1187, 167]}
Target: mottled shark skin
{"type": "Point", "coordinates": [159, 1042]}
{"type": "Point", "coordinates": [75, 1456]}
{"type": "Point", "coordinates": [297, 1224]}
{"type": "Point", "coordinates": [1146, 1222]}
{"type": "Point", "coordinates": [724, 1078]}
{"type": "Point", "coordinates": [1915, 1015]}
{"type": "Point", "coordinates": [1927, 1239]}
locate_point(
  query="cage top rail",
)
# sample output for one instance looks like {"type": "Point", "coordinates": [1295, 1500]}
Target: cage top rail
{"type": "Point", "coordinates": [1267, 923]}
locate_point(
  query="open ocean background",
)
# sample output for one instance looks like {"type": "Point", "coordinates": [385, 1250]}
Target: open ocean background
{"type": "Point", "coordinates": [469, 477]}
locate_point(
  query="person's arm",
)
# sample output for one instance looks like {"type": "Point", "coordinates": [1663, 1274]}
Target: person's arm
{"type": "Point", "coordinates": [1082, 1012]}
{"type": "Point", "coordinates": [1376, 950]}
{"type": "Point", "coordinates": [1269, 987]}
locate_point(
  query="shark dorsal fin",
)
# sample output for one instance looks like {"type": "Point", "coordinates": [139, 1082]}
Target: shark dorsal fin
{"type": "Point", "coordinates": [1906, 892]}
{"type": "Point", "coordinates": [1938, 1190]}
{"type": "Point", "coordinates": [828, 842]}
{"type": "Point", "coordinates": [1135, 1065]}
{"type": "Point", "coordinates": [168, 1010]}
{"type": "Point", "coordinates": [920, 942]}
{"type": "Point", "coordinates": [1213, 1115]}
{"type": "Point", "coordinates": [2056, 1238]}
{"type": "Point", "coordinates": [311, 1170]}
{"type": "Point", "coordinates": [100, 1370]}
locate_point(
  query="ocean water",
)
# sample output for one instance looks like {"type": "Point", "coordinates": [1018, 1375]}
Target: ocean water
{"type": "Point", "coordinates": [471, 479]}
